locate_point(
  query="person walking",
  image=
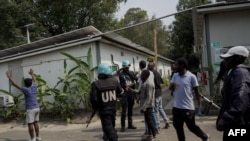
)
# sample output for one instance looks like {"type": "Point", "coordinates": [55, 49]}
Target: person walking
{"type": "Point", "coordinates": [158, 108]}
{"type": "Point", "coordinates": [127, 81]}
{"type": "Point", "coordinates": [103, 96]}
{"type": "Point", "coordinates": [147, 103]}
{"type": "Point", "coordinates": [183, 83]}
{"type": "Point", "coordinates": [235, 109]}
{"type": "Point", "coordinates": [31, 104]}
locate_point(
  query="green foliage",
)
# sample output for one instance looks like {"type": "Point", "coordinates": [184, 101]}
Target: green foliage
{"type": "Point", "coordinates": [14, 16]}
{"type": "Point", "coordinates": [144, 34]}
{"type": "Point", "coordinates": [150, 59]}
{"type": "Point", "coordinates": [61, 16]}
{"type": "Point", "coordinates": [181, 34]}
{"type": "Point", "coordinates": [166, 81]}
{"type": "Point", "coordinates": [73, 89]}
{"type": "Point", "coordinates": [52, 17]}
{"type": "Point", "coordinates": [42, 92]}
{"type": "Point", "coordinates": [12, 111]}
{"type": "Point", "coordinates": [82, 79]}
{"type": "Point", "coordinates": [70, 92]}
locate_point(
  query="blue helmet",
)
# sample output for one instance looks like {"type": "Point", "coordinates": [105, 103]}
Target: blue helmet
{"type": "Point", "coordinates": [125, 63]}
{"type": "Point", "coordinates": [104, 69]}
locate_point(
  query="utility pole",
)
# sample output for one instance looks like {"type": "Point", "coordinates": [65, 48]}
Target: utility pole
{"type": "Point", "coordinates": [155, 48]}
{"type": "Point", "coordinates": [27, 31]}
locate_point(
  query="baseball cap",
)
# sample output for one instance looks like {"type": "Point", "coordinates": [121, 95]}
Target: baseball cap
{"type": "Point", "coordinates": [237, 50]}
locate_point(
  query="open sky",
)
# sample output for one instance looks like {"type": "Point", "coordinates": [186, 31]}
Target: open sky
{"type": "Point", "coordinates": [158, 8]}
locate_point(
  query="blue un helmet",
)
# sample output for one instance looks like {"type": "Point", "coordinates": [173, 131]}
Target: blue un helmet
{"type": "Point", "coordinates": [125, 63]}
{"type": "Point", "coordinates": [104, 69]}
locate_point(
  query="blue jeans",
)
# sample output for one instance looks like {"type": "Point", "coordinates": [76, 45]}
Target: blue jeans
{"type": "Point", "coordinates": [150, 130]}
{"type": "Point", "coordinates": [159, 109]}
{"type": "Point", "coordinates": [155, 119]}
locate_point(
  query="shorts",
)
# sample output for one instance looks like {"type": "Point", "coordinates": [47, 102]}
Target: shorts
{"type": "Point", "coordinates": [32, 115]}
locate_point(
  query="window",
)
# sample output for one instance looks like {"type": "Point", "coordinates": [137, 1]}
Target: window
{"type": "Point", "coordinates": [160, 71]}
{"type": "Point", "coordinates": [114, 68]}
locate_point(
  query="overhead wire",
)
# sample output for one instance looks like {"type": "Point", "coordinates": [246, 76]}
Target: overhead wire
{"type": "Point", "coordinates": [172, 14]}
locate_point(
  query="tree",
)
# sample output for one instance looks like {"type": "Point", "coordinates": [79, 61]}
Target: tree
{"type": "Point", "coordinates": [143, 34]}
{"type": "Point", "coordinates": [181, 39]}
{"type": "Point", "coordinates": [61, 16]}
{"type": "Point", "coordinates": [14, 16]}
{"type": "Point", "coordinates": [134, 16]}
{"type": "Point", "coordinates": [52, 17]}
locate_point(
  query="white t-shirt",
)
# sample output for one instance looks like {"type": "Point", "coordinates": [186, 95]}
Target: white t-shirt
{"type": "Point", "coordinates": [183, 93]}
{"type": "Point", "coordinates": [150, 78]}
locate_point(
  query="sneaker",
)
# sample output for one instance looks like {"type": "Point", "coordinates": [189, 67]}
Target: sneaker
{"type": "Point", "coordinates": [145, 134]}
{"type": "Point", "coordinates": [34, 139]}
{"type": "Point", "coordinates": [207, 138]}
{"type": "Point", "coordinates": [38, 138]}
{"type": "Point", "coordinates": [157, 131]}
{"type": "Point", "coordinates": [148, 138]}
{"type": "Point", "coordinates": [122, 129]}
{"type": "Point", "coordinates": [166, 126]}
{"type": "Point", "coordinates": [131, 127]}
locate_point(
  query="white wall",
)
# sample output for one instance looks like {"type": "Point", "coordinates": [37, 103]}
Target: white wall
{"type": "Point", "coordinates": [4, 82]}
{"type": "Point", "coordinates": [223, 29]}
{"type": "Point", "coordinates": [50, 65]}
{"type": "Point", "coordinates": [107, 50]}
{"type": "Point", "coordinates": [164, 68]}
{"type": "Point", "coordinates": [228, 29]}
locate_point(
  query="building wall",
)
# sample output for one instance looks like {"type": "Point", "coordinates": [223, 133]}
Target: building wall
{"type": "Point", "coordinates": [120, 54]}
{"type": "Point", "coordinates": [164, 68]}
{"type": "Point", "coordinates": [50, 65]}
{"type": "Point", "coordinates": [228, 29]}
{"type": "Point", "coordinates": [222, 30]}
{"type": "Point", "coordinates": [4, 82]}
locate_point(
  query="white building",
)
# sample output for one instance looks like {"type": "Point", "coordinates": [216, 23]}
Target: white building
{"type": "Point", "coordinates": [45, 57]}
{"type": "Point", "coordinates": [218, 27]}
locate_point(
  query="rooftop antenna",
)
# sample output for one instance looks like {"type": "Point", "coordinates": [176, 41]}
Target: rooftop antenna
{"type": "Point", "coordinates": [27, 31]}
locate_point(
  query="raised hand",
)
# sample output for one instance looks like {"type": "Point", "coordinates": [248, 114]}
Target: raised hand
{"type": "Point", "coordinates": [31, 72]}
{"type": "Point", "coordinates": [8, 74]}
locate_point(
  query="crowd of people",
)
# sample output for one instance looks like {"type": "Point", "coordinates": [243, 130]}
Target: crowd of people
{"type": "Point", "coordinates": [148, 95]}
{"type": "Point", "coordinates": [234, 112]}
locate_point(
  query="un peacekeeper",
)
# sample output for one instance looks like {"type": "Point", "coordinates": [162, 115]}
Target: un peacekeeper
{"type": "Point", "coordinates": [104, 92]}
{"type": "Point", "coordinates": [127, 81]}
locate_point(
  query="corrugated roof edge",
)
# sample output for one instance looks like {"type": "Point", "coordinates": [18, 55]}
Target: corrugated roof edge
{"type": "Point", "coordinates": [69, 36]}
{"type": "Point", "coordinates": [127, 42]}
{"type": "Point", "coordinates": [86, 33]}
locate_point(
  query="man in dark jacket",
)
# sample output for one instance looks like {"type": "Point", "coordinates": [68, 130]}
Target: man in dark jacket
{"type": "Point", "coordinates": [103, 98]}
{"type": "Point", "coordinates": [127, 81]}
{"type": "Point", "coordinates": [234, 113]}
